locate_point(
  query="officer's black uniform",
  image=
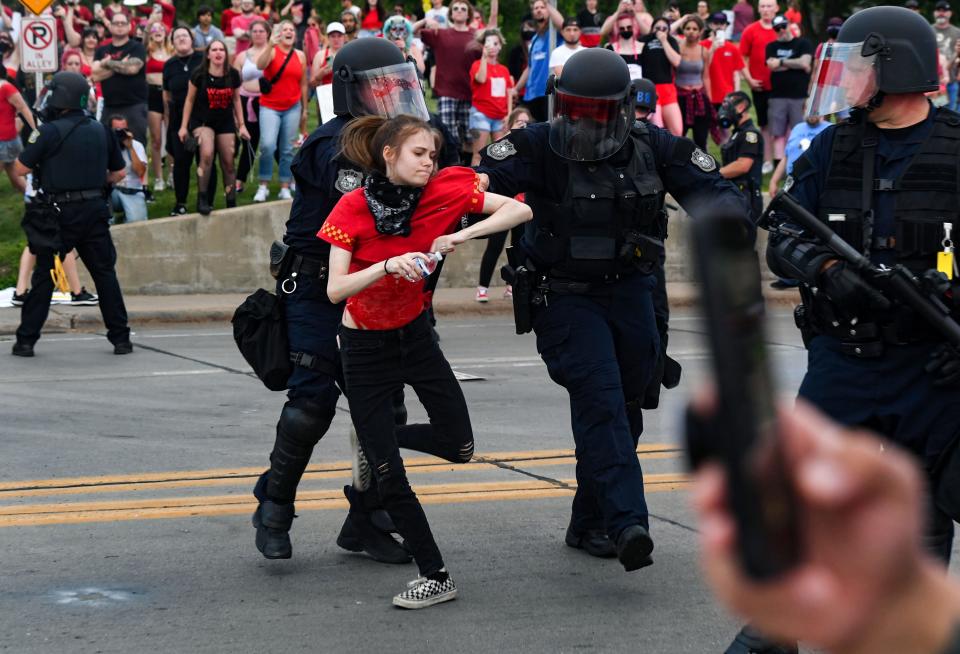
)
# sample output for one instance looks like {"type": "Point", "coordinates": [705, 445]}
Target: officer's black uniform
{"type": "Point", "coordinates": [322, 176]}
{"type": "Point", "coordinates": [597, 333]}
{"type": "Point", "coordinates": [889, 194]}
{"type": "Point", "coordinates": [747, 141]}
{"type": "Point", "coordinates": [70, 157]}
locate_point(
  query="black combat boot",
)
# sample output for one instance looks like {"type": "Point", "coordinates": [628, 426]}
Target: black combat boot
{"type": "Point", "coordinates": [594, 542]}
{"type": "Point", "coordinates": [633, 548]}
{"type": "Point", "coordinates": [203, 205]}
{"type": "Point", "coordinates": [360, 534]}
{"type": "Point", "coordinates": [272, 522]}
{"type": "Point", "coordinates": [230, 197]}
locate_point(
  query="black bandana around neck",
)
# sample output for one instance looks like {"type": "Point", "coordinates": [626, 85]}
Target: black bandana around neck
{"type": "Point", "coordinates": [392, 205]}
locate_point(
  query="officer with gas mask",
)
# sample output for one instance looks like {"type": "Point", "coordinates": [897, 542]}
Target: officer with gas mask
{"type": "Point", "coordinates": [742, 154]}
{"type": "Point", "coordinates": [886, 181]}
{"type": "Point", "coordinates": [72, 158]}
{"type": "Point", "coordinates": [583, 275]}
{"type": "Point", "coordinates": [370, 77]}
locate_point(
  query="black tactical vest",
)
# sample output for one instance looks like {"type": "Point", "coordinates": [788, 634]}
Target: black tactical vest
{"type": "Point", "coordinates": [585, 235]}
{"type": "Point", "coordinates": [927, 194]}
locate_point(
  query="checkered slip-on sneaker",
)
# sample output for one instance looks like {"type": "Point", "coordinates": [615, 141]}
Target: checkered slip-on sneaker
{"type": "Point", "coordinates": [362, 474]}
{"type": "Point", "coordinates": [422, 593]}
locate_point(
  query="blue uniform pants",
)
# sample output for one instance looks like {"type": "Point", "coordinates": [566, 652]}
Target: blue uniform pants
{"type": "Point", "coordinates": [603, 349]}
{"type": "Point", "coordinates": [893, 396]}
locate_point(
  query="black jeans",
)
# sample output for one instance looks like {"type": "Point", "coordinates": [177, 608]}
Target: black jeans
{"type": "Point", "coordinates": [376, 364]}
{"type": "Point", "coordinates": [84, 226]}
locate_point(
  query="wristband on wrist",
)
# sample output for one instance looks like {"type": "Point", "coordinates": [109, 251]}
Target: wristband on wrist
{"type": "Point", "coordinates": [385, 271]}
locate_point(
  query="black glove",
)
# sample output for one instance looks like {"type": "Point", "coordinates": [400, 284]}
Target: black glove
{"type": "Point", "coordinates": [849, 292]}
{"type": "Point", "coordinates": [944, 365]}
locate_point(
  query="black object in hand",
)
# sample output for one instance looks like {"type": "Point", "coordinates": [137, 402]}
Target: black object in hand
{"type": "Point", "coordinates": [849, 291]}
{"type": "Point", "coordinates": [944, 365]}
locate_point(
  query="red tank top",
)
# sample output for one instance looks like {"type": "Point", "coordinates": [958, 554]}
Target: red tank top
{"type": "Point", "coordinates": [286, 90]}
{"type": "Point", "coordinates": [154, 65]}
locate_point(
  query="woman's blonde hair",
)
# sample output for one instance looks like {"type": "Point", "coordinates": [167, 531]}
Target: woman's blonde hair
{"type": "Point", "coordinates": [363, 139]}
{"type": "Point", "coordinates": [166, 44]}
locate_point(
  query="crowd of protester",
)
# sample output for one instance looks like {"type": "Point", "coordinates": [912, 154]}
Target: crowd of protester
{"type": "Point", "coordinates": [215, 90]}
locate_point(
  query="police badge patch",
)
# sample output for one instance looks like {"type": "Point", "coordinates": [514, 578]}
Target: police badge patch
{"type": "Point", "coordinates": [500, 150]}
{"type": "Point", "coordinates": [751, 137]}
{"type": "Point", "coordinates": [349, 180]}
{"type": "Point", "coordinates": [703, 161]}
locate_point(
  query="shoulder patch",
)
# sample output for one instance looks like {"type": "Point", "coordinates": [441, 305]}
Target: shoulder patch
{"type": "Point", "coordinates": [788, 184]}
{"type": "Point", "coordinates": [34, 135]}
{"type": "Point", "coordinates": [501, 149]}
{"type": "Point", "coordinates": [348, 180]}
{"type": "Point", "coordinates": [751, 137]}
{"type": "Point", "coordinates": [703, 161]}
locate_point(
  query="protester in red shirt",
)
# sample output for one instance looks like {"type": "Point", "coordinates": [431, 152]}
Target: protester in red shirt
{"type": "Point", "coordinates": [490, 83]}
{"type": "Point", "coordinates": [373, 16]}
{"type": "Point", "coordinates": [226, 18]}
{"type": "Point", "coordinates": [724, 62]}
{"type": "Point", "coordinates": [380, 235]}
{"type": "Point", "coordinates": [12, 103]}
{"type": "Point", "coordinates": [753, 47]}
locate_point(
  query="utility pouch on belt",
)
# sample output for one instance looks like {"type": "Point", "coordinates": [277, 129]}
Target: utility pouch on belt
{"type": "Point", "coordinates": [279, 258]}
{"type": "Point", "coordinates": [260, 331]}
{"type": "Point", "coordinates": [522, 279]}
{"type": "Point", "coordinates": [641, 250]}
{"type": "Point", "coordinates": [41, 224]}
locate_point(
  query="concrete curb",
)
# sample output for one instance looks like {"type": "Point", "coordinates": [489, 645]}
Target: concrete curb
{"type": "Point", "coordinates": [194, 309]}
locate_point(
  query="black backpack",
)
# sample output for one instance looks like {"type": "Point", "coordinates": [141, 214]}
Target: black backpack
{"type": "Point", "coordinates": [260, 331]}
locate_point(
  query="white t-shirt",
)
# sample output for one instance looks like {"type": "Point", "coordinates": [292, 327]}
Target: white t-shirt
{"type": "Point", "coordinates": [560, 55]}
{"type": "Point", "coordinates": [132, 180]}
{"type": "Point", "coordinates": [439, 15]}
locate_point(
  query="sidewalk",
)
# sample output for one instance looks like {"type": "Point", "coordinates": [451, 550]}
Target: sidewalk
{"type": "Point", "coordinates": [179, 309]}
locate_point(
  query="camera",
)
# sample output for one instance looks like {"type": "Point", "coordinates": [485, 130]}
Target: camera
{"type": "Point", "coordinates": [122, 134]}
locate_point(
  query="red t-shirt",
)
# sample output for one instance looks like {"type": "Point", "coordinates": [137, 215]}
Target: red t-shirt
{"type": "Point", "coordinates": [372, 22]}
{"type": "Point", "coordinates": [753, 47]}
{"type": "Point", "coordinates": [793, 16]}
{"type": "Point", "coordinates": [226, 21]}
{"type": "Point", "coordinates": [491, 96]}
{"type": "Point", "coordinates": [286, 90]}
{"type": "Point", "coordinates": [453, 51]}
{"type": "Point", "coordinates": [8, 126]}
{"type": "Point", "coordinates": [391, 303]}
{"type": "Point", "coordinates": [725, 62]}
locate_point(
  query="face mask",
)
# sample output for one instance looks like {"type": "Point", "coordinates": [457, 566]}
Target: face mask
{"type": "Point", "coordinates": [626, 34]}
{"type": "Point", "coordinates": [526, 35]}
{"type": "Point", "coordinates": [727, 115]}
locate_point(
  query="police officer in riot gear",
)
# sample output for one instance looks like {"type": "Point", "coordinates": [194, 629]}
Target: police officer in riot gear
{"type": "Point", "coordinates": [596, 181]}
{"type": "Point", "coordinates": [886, 181]}
{"type": "Point", "coordinates": [72, 158]}
{"type": "Point", "coordinates": [371, 76]}
{"type": "Point", "coordinates": [742, 154]}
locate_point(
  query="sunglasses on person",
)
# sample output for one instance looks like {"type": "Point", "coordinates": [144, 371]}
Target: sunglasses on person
{"type": "Point", "coordinates": [459, 8]}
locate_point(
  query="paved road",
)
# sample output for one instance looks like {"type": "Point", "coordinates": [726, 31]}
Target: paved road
{"type": "Point", "coordinates": [125, 503]}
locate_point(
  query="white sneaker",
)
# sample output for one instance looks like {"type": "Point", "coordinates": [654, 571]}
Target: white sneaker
{"type": "Point", "coordinates": [767, 167]}
{"type": "Point", "coordinates": [158, 186]}
{"type": "Point", "coordinates": [482, 296]}
{"type": "Point", "coordinates": [262, 193]}
{"type": "Point", "coordinates": [362, 474]}
{"type": "Point", "coordinates": [422, 593]}
{"type": "Point", "coordinates": [284, 194]}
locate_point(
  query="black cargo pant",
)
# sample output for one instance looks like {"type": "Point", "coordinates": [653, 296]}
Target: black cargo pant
{"type": "Point", "coordinates": [84, 226]}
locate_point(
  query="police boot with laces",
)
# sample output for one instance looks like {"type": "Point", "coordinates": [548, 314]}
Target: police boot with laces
{"type": "Point", "coordinates": [272, 522]}
{"type": "Point", "coordinates": [360, 533]}
{"type": "Point", "coordinates": [751, 641]}
{"type": "Point", "coordinates": [633, 548]}
{"type": "Point", "coordinates": [594, 542]}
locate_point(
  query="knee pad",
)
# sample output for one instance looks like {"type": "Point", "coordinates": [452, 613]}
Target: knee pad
{"type": "Point", "coordinates": [303, 422]}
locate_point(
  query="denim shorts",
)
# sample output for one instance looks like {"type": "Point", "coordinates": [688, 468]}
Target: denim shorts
{"type": "Point", "coordinates": [481, 122]}
{"type": "Point", "coordinates": [10, 150]}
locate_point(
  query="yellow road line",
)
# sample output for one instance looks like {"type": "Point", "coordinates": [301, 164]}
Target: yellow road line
{"type": "Point", "coordinates": [333, 470]}
{"type": "Point", "coordinates": [83, 512]}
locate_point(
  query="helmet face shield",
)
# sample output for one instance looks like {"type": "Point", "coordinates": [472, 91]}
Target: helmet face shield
{"type": "Point", "coordinates": [389, 92]}
{"type": "Point", "coordinates": [590, 129]}
{"type": "Point", "coordinates": [843, 79]}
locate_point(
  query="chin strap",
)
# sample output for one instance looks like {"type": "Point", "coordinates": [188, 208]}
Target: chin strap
{"type": "Point", "coordinates": [860, 112]}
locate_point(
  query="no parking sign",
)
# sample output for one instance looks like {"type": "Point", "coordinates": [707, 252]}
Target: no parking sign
{"type": "Point", "coordinates": [38, 45]}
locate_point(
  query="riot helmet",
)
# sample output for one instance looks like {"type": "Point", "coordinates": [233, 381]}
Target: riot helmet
{"type": "Point", "coordinates": [64, 91]}
{"type": "Point", "coordinates": [878, 50]}
{"type": "Point", "coordinates": [646, 92]}
{"type": "Point", "coordinates": [592, 106]}
{"type": "Point", "coordinates": [729, 113]}
{"type": "Point", "coordinates": [371, 76]}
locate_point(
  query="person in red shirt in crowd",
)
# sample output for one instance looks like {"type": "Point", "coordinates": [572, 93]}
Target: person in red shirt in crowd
{"type": "Point", "coordinates": [490, 84]}
{"type": "Point", "coordinates": [321, 69]}
{"type": "Point", "coordinates": [12, 103]}
{"type": "Point", "coordinates": [742, 17]}
{"type": "Point", "coordinates": [792, 14]}
{"type": "Point", "coordinates": [226, 18]}
{"type": "Point", "coordinates": [373, 15]}
{"type": "Point", "coordinates": [76, 15]}
{"type": "Point", "coordinates": [380, 234]}
{"type": "Point", "coordinates": [753, 47]}
{"type": "Point", "coordinates": [724, 64]}
{"type": "Point", "coordinates": [158, 10]}
{"type": "Point", "coordinates": [454, 50]}
{"type": "Point", "coordinates": [241, 24]}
